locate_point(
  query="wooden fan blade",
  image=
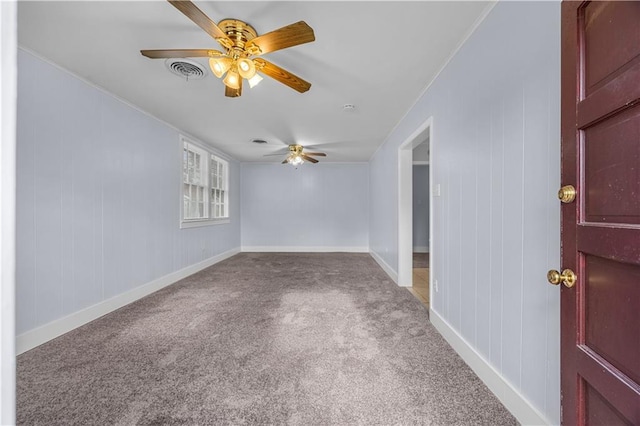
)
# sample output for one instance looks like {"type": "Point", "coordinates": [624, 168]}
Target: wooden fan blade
{"type": "Point", "coordinates": [279, 152]}
{"type": "Point", "coordinates": [181, 53]}
{"type": "Point", "coordinates": [291, 35]}
{"type": "Point", "coordinates": [233, 93]}
{"type": "Point", "coordinates": [307, 158]}
{"type": "Point", "coordinates": [192, 12]}
{"type": "Point", "coordinates": [283, 76]}
{"type": "Point", "coordinates": [317, 154]}
{"type": "Point", "coordinates": [286, 160]}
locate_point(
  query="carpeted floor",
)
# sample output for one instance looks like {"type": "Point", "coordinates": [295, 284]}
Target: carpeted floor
{"type": "Point", "coordinates": [300, 339]}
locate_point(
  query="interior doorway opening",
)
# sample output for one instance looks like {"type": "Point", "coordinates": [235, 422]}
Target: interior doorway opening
{"type": "Point", "coordinates": [414, 212]}
{"type": "Point", "coordinates": [420, 225]}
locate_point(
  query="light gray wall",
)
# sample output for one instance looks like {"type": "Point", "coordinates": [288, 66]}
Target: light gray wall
{"type": "Point", "coordinates": [421, 152]}
{"type": "Point", "coordinates": [421, 207]}
{"type": "Point", "coordinates": [323, 205]}
{"type": "Point", "coordinates": [98, 198]}
{"type": "Point", "coordinates": [495, 153]}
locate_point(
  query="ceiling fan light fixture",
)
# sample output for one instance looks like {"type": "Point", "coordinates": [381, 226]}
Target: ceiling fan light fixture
{"type": "Point", "coordinates": [232, 80]}
{"type": "Point", "coordinates": [219, 66]}
{"type": "Point", "coordinates": [253, 81]}
{"type": "Point", "coordinates": [246, 68]}
{"type": "Point", "coordinates": [295, 160]}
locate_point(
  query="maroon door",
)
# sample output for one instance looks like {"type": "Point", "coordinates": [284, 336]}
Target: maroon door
{"type": "Point", "coordinates": [601, 229]}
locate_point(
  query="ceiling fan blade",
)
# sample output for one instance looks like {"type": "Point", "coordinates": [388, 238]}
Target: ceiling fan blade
{"type": "Point", "coordinates": [283, 76]}
{"type": "Point", "coordinates": [278, 152]}
{"type": "Point", "coordinates": [192, 12]}
{"type": "Point", "coordinates": [317, 154]}
{"type": "Point", "coordinates": [181, 53]}
{"type": "Point", "coordinates": [233, 93]}
{"type": "Point", "coordinates": [307, 158]}
{"type": "Point", "coordinates": [291, 35]}
{"type": "Point", "coordinates": [286, 160]}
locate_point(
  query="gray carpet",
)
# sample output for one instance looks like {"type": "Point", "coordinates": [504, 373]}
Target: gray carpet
{"type": "Point", "coordinates": [300, 339]}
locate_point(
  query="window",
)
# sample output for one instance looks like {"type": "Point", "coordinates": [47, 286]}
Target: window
{"type": "Point", "coordinates": [205, 186]}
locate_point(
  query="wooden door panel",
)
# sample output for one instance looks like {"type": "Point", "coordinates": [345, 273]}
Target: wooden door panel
{"type": "Point", "coordinates": [600, 328]}
{"type": "Point", "coordinates": [621, 392]}
{"type": "Point", "coordinates": [620, 244]}
{"type": "Point", "coordinates": [612, 313]}
{"type": "Point", "coordinates": [612, 169]}
{"type": "Point", "coordinates": [615, 95]}
{"type": "Point", "coordinates": [600, 412]}
{"type": "Point", "coordinates": [604, 26]}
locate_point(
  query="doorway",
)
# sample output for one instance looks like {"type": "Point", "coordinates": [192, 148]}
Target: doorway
{"type": "Point", "coordinates": [415, 233]}
{"type": "Point", "coordinates": [420, 231]}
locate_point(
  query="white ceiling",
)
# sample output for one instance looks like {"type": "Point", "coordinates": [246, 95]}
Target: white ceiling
{"type": "Point", "coordinates": [377, 55]}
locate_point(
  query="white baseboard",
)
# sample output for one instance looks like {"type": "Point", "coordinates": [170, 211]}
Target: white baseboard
{"type": "Point", "coordinates": [421, 249]}
{"type": "Point", "coordinates": [385, 266]}
{"type": "Point", "coordinates": [303, 249]}
{"type": "Point", "coordinates": [44, 333]}
{"type": "Point", "coordinates": [517, 404]}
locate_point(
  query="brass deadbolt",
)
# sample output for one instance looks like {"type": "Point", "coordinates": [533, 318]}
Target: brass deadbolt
{"type": "Point", "coordinates": [567, 194]}
{"type": "Point", "coordinates": [567, 277]}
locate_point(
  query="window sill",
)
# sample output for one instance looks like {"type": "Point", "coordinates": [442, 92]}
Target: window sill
{"type": "Point", "coordinates": [206, 222]}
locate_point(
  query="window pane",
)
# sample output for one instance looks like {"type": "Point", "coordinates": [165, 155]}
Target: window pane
{"type": "Point", "coordinates": [190, 167]}
{"type": "Point", "coordinates": [185, 165]}
{"type": "Point", "coordinates": [205, 183]}
{"type": "Point", "coordinates": [214, 173]}
{"type": "Point", "coordinates": [197, 172]}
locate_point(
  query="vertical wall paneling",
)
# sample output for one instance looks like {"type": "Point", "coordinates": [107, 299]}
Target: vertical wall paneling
{"type": "Point", "coordinates": [322, 206]}
{"type": "Point", "coordinates": [98, 198]}
{"type": "Point", "coordinates": [495, 108]}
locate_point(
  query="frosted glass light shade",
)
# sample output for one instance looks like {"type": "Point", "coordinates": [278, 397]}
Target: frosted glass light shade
{"type": "Point", "coordinates": [232, 80]}
{"type": "Point", "coordinates": [246, 68]}
{"type": "Point", "coordinates": [253, 81]}
{"type": "Point", "coordinates": [296, 161]}
{"type": "Point", "coordinates": [219, 66]}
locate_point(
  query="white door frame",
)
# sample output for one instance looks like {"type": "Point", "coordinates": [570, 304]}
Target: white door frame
{"type": "Point", "coordinates": [405, 201]}
{"type": "Point", "coordinates": [8, 90]}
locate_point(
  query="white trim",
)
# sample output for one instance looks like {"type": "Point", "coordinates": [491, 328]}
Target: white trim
{"type": "Point", "coordinates": [515, 402]}
{"type": "Point", "coordinates": [468, 35]}
{"type": "Point", "coordinates": [420, 249]}
{"type": "Point", "coordinates": [385, 266]}
{"type": "Point", "coordinates": [196, 223]}
{"type": "Point", "coordinates": [8, 92]}
{"type": "Point", "coordinates": [432, 218]}
{"type": "Point", "coordinates": [405, 200]}
{"type": "Point", "coordinates": [304, 249]}
{"type": "Point", "coordinates": [43, 334]}
{"type": "Point", "coordinates": [420, 163]}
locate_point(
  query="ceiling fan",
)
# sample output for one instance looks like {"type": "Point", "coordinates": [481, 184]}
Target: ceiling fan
{"type": "Point", "coordinates": [241, 43]}
{"type": "Point", "coordinates": [296, 155]}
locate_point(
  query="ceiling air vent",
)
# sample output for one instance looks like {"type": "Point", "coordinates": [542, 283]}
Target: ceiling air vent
{"type": "Point", "coordinates": [185, 68]}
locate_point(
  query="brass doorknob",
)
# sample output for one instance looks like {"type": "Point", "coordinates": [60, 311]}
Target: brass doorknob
{"type": "Point", "coordinates": [567, 277]}
{"type": "Point", "coordinates": [567, 194]}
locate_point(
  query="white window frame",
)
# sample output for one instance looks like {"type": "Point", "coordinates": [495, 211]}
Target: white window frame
{"type": "Point", "coordinates": [214, 197]}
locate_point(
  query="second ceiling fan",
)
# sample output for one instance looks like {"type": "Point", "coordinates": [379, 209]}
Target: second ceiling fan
{"type": "Point", "coordinates": [241, 44]}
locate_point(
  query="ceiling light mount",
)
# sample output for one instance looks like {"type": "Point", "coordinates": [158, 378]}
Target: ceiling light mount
{"type": "Point", "coordinates": [240, 43]}
{"type": "Point", "coordinates": [238, 31]}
